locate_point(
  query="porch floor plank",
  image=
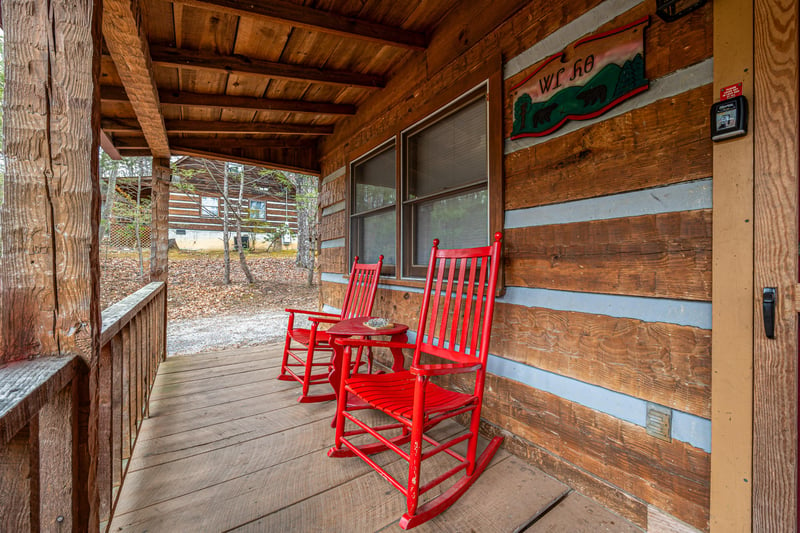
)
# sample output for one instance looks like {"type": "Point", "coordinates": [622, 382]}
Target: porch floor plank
{"type": "Point", "coordinates": [227, 447]}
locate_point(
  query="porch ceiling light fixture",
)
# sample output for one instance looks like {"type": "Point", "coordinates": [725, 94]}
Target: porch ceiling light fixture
{"type": "Point", "coordinates": [671, 10]}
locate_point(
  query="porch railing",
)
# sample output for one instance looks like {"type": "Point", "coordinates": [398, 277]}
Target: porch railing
{"type": "Point", "coordinates": [43, 431]}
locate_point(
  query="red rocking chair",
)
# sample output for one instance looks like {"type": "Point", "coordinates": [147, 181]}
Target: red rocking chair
{"type": "Point", "coordinates": [454, 328]}
{"type": "Point", "coordinates": [302, 343]}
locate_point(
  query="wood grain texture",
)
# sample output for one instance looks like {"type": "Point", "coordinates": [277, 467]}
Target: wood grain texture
{"type": "Point", "coordinates": [159, 226]}
{"type": "Point", "coordinates": [56, 462]}
{"type": "Point", "coordinates": [334, 226]}
{"type": "Point", "coordinates": [579, 513]}
{"type": "Point", "coordinates": [15, 479]}
{"type": "Point", "coordinates": [775, 365]}
{"type": "Point", "coordinates": [586, 163]}
{"type": "Point", "coordinates": [130, 50]}
{"type": "Point", "coordinates": [332, 192]}
{"type": "Point", "coordinates": [662, 363]}
{"type": "Point", "coordinates": [673, 476]}
{"type": "Point", "coordinates": [665, 255]}
{"type": "Point", "coordinates": [734, 292]}
{"type": "Point", "coordinates": [665, 43]}
{"type": "Point", "coordinates": [333, 260]}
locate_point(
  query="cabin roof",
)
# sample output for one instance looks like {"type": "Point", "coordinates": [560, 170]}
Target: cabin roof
{"type": "Point", "coordinates": [261, 86]}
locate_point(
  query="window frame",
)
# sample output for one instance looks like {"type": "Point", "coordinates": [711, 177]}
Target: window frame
{"type": "Point", "coordinates": [204, 213]}
{"type": "Point", "coordinates": [408, 231]}
{"type": "Point", "coordinates": [386, 145]}
{"type": "Point", "coordinates": [251, 210]}
{"type": "Point", "coordinates": [488, 77]}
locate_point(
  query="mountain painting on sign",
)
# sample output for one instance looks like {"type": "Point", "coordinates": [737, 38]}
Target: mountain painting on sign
{"type": "Point", "coordinates": [604, 70]}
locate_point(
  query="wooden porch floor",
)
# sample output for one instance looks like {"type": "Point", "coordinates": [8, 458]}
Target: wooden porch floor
{"type": "Point", "coordinates": [227, 447]}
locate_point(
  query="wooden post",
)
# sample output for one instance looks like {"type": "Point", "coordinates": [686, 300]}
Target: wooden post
{"type": "Point", "coordinates": [159, 230]}
{"type": "Point", "coordinates": [775, 366]}
{"type": "Point", "coordinates": [732, 336]}
{"type": "Point", "coordinates": [50, 220]}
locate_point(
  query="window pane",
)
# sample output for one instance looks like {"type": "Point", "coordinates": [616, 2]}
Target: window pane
{"type": "Point", "coordinates": [449, 153]}
{"type": "Point", "coordinates": [375, 235]}
{"type": "Point", "coordinates": [374, 182]}
{"type": "Point", "coordinates": [258, 209]}
{"type": "Point", "coordinates": [209, 207]}
{"type": "Point", "coordinates": [457, 221]}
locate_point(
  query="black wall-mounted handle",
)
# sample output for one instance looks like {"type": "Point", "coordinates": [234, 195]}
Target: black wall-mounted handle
{"type": "Point", "coordinates": [769, 300]}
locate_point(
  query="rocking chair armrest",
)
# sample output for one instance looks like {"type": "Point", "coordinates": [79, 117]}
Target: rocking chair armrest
{"type": "Point", "coordinates": [444, 369]}
{"type": "Point", "coordinates": [325, 319]}
{"type": "Point", "coordinates": [312, 313]}
{"type": "Point", "coordinates": [347, 341]}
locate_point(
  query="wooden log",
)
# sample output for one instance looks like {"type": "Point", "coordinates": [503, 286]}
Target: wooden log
{"type": "Point", "coordinates": [586, 163]}
{"type": "Point", "coordinates": [159, 229]}
{"type": "Point", "coordinates": [128, 45]}
{"type": "Point", "coordinates": [333, 260]}
{"type": "Point", "coordinates": [662, 363]}
{"type": "Point", "coordinates": [666, 255]}
{"type": "Point", "coordinates": [334, 226]}
{"type": "Point", "coordinates": [197, 59]}
{"type": "Point", "coordinates": [332, 192]}
{"type": "Point", "coordinates": [673, 476]}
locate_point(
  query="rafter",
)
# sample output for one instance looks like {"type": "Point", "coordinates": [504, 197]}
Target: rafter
{"type": "Point", "coordinates": [220, 156]}
{"type": "Point", "coordinates": [135, 142]}
{"type": "Point", "coordinates": [123, 125]}
{"type": "Point", "coordinates": [314, 19]}
{"type": "Point", "coordinates": [182, 98]}
{"type": "Point", "coordinates": [108, 146]}
{"type": "Point", "coordinates": [165, 55]}
{"type": "Point", "coordinates": [130, 51]}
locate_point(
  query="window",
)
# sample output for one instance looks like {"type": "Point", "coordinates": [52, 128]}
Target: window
{"type": "Point", "coordinates": [258, 209]}
{"type": "Point", "coordinates": [445, 194]}
{"type": "Point", "coordinates": [373, 220]}
{"type": "Point", "coordinates": [443, 189]}
{"type": "Point", "coordinates": [209, 207]}
{"type": "Point", "coordinates": [234, 168]}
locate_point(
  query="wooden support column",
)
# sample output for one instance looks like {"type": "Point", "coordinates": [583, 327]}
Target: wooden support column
{"type": "Point", "coordinates": [50, 221]}
{"type": "Point", "coordinates": [775, 361]}
{"type": "Point", "coordinates": [732, 309]}
{"type": "Point", "coordinates": [159, 230]}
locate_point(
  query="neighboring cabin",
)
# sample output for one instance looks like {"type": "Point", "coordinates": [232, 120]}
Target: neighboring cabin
{"type": "Point", "coordinates": [196, 206]}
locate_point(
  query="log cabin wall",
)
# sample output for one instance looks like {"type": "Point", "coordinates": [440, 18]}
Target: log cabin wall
{"type": "Point", "coordinates": [607, 245]}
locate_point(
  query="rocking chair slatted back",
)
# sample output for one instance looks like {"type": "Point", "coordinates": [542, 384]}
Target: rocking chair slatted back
{"type": "Point", "coordinates": [360, 295]}
{"type": "Point", "coordinates": [455, 307]}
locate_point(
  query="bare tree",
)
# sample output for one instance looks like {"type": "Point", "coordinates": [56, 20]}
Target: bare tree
{"type": "Point", "coordinates": [242, 260]}
{"type": "Point", "coordinates": [225, 233]}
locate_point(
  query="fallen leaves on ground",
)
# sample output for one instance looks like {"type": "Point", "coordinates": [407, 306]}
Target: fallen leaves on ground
{"type": "Point", "coordinates": [196, 288]}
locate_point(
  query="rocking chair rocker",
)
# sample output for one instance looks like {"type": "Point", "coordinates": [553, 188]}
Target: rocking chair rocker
{"type": "Point", "coordinates": [454, 328]}
{"type": "Point", "coordinates": [303, 343]}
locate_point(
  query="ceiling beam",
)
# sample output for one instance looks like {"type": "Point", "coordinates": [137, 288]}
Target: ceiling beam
{"type": "Point", "coordinates": [168, 56]}
{"type": "Point", "coordinates": [125, 125]}
{"type": "Point", "coordinates": [124, 143]}
{"type": "Point", "coordinates": [219, 156]}
{"type": "Point", "coordinates": [135, 152]}
{"type": "Point", "coordinates": [108, 146]}
{"type": "Point", "coordinates": [130, 51]}
{"type": "Point", "coordinates": [309, 18]}
{"type": "Point", "coordinates": [111, 93]}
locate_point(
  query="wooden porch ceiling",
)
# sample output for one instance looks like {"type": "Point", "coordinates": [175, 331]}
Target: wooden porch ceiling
{"type": "Point", "coordinates": [218, 78]}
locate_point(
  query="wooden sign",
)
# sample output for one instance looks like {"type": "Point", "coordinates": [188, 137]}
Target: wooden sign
{"type": "Point", "coordinates": [602, 71]}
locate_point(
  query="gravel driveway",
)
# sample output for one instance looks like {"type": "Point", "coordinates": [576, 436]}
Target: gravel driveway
{"type": "Point", "coordinates": [226, 331]}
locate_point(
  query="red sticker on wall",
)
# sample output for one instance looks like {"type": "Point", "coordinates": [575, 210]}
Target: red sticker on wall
{"type": "Point", "coordinates": [731, 91]}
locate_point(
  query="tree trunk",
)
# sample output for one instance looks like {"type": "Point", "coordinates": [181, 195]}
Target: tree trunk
{"type": "Point", "coordinates": [138, 226]}
{"type": "Point", "coordinates": [242, 260]}
{"type": "Point", "coordinates": [226, 278]}
{"type": "Point", "coordinates": [111, 195]}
